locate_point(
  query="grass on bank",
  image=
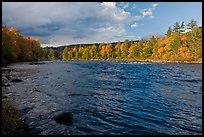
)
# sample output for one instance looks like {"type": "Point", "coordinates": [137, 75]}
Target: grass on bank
{"type": "Point", "coordinates": [10, 117]}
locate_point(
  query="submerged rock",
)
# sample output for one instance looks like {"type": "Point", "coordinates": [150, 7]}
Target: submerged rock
{"type": "Point", "coordinates": [25, 110]}
{"type": "Point", "coordinates": [4, 81]}
{"type": "Point", "coordinates": [36, 63]}
{"type": "Point", "coordinates": [16, 80]}
{"type": "Point", "coordinates": [7, 85]}
{"type": "Point", "coordinates": [24, 129]}
{"type": "Point", "coordinates": [8, 77]}
{"type": "Point", "coordinates": [65, 118]}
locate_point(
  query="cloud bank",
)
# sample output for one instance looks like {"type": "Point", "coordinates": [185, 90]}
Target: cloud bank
{"type": "Point", "coordinates": [72, 22]}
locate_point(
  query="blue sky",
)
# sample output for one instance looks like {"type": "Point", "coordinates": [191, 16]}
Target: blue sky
{"type": "Point", "coordinates": [82, 22]}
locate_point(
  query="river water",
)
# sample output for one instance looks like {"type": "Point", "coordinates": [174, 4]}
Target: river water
{"type": "Point", "coordinates": [118, 98]}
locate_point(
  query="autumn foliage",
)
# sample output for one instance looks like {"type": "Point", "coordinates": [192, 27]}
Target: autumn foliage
{"type": "Point", "coordinates": [16, 47]}
{"type": "Point", "coordinates": [176, 46]}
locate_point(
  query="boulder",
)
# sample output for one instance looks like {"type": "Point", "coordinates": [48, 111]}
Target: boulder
{"type": "Point", "coordinates": [8, 77]}
{"type": "Point", "coordinates": [4, 81]}
{"type": "Point", "coordinates": [65, 118]}
{"type": "Point", "coordinates": [7, 85]}
{"type": "Point", "coordinates": [16, 80]}
{"type": "Point", "coordinates": [36, 63]}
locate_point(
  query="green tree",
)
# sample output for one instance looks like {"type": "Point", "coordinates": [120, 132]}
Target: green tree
{"type": "Point", "coordinates": [86, 54]}
{"type": "Point", "coordinates": [93, 52]}
{"type": "Point", "coordinates": [124, 49]}
{"type": "Point", "coordinates": [6, 46]}
{"type": "Point", "coordinates": [182, 27]}
{"type": "Point", "coordinates": [169, 31]}
{"type": "Point", "coordinates": [194, 42]}
{"type": "Point", "coordinates": [118, 50]}
{"type": "Point", "coordinates": [192, 24]}
{"type": "Point", "coordinates": [51, 55]}
{"type": "Point", "coordinates": [65, 54]}
{"type": "Point", "coordinates": [175, 42]}
{"type": "Point", "coordinates": [80, 52]}
{"type": "Point", "coordinates": [70, 54]}
{"type": "Point", "coordinates": [100, 49]}
{"type": "Point", "coordinates": [177, 27]}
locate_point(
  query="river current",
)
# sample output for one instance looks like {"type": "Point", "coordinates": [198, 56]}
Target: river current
{"type": "Point", "coordinates": [105, 97]}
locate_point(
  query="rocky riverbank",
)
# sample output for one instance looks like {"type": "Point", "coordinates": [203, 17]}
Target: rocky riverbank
{"type": "Point", "coordinates": [12, 123]}
{"type": "Point", "coordinates": [21, 104]}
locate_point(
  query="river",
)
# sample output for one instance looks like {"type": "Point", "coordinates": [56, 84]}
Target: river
{"type": "Point", "coordinates": [109, 97]}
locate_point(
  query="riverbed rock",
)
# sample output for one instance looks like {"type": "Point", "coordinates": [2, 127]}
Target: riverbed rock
{"type": "Point", "coordinates": [36, 63]}
{"type": "Point", "coordinates": [65, 118]}
{"type": "Point", "coordinates": [8, 77]}
{"type": "Point", "coordinates": [7, 85]}
{"type": "Point", "coordinates": [4, 96]}
{"type": "Point", "coordinates": [16, 80]}
{"type": "Point", "coordinates": [4, 81]}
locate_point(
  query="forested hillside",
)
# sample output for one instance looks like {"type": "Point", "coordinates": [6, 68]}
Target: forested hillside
{"type": "Point", "coordinates": [17, 47]}
{"type": "Point", "coordinates": [182, 43]}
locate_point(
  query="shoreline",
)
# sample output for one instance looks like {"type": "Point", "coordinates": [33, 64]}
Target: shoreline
{"type": "Point", "coordinates": [115, 60]}
{"type": "Point", "coordinates": [151, 61]}
{"type": "Point", "coordinates": [13, 122]}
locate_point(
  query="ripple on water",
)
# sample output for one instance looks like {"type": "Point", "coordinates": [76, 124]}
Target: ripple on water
{"type": "Point", "coordinates": [112, 97]}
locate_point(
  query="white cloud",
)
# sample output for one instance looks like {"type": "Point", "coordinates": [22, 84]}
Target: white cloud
{"type": "Point", "coordinates": [149, 11]}
{"type": "Point", "coordinates": [154, 5]}
{"type": "Point", "coordinates": [134, 25]}
{"type": "Point", "coordinates": [151, 17]}
{"type": "Point", "coordinates": [59, 23]}
{"type": "Point", "coordinates": [126, 5]}
{"type": "Point", "coordinates": [111, 5]}
{"type": "Point", "coordinates": [134, 6]}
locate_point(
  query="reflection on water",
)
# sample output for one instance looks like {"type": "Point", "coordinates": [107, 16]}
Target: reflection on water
{"type": "Point", "coordinates": [112, 97]}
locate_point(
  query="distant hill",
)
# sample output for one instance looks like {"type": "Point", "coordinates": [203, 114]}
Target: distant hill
{"type": "Point", "coordinates": [84, 45]}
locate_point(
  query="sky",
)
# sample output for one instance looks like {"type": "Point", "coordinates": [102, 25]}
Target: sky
{"type": "Point", "coordinates": [65, 23]}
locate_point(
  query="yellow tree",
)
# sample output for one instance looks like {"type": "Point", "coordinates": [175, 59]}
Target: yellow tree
{"type": "Point", "coordinates": [103, 52]}
{"type": "Point", "coordinates": [65, 54]}
{"type": "Point", "coordinates": [108, 51]}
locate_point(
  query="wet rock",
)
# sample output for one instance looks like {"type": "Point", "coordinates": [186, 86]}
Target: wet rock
{"type": "Point", "coordinates": [36, 131]}
{"type": "Point", "coordinates": [36, 63]}
{"type": "Point", "coordinates": [4, 96]}
{"type": "Point", "coordinates": [8, 77]}
{"type": "Point", "coordinates": [16, 80]}
{"type": "Point", "coordinates": [6, 85]}
{"type": "Point", "coordinates": [36, 90]}
{"type": "Point", "coordinates": [65, 118]}
{"type": "Point", "coordinates": [24, 129]}
{"type": "Point", "coordinates": [4, 81]}
{"type": "Point", "coordinates": [25, 110]}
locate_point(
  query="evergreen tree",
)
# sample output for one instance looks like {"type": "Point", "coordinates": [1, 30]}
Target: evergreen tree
{"type": "Point", "coordinates": [177, 27]}
{"type": "Point", "coordinates": [182, 27]}
{"type": "Point", "coordinates": [192, 24]}
{"type": "Point", "coordinates": [169, 31]}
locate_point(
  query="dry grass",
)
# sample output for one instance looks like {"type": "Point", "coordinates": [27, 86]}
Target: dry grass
{"type": "Point", "coordinates": [10, 117]}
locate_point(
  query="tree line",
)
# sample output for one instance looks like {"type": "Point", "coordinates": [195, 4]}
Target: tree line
{"type": "Point", "coordinates": [18, 48]}
{"type": "Point", "coordinates": [181, 43]}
